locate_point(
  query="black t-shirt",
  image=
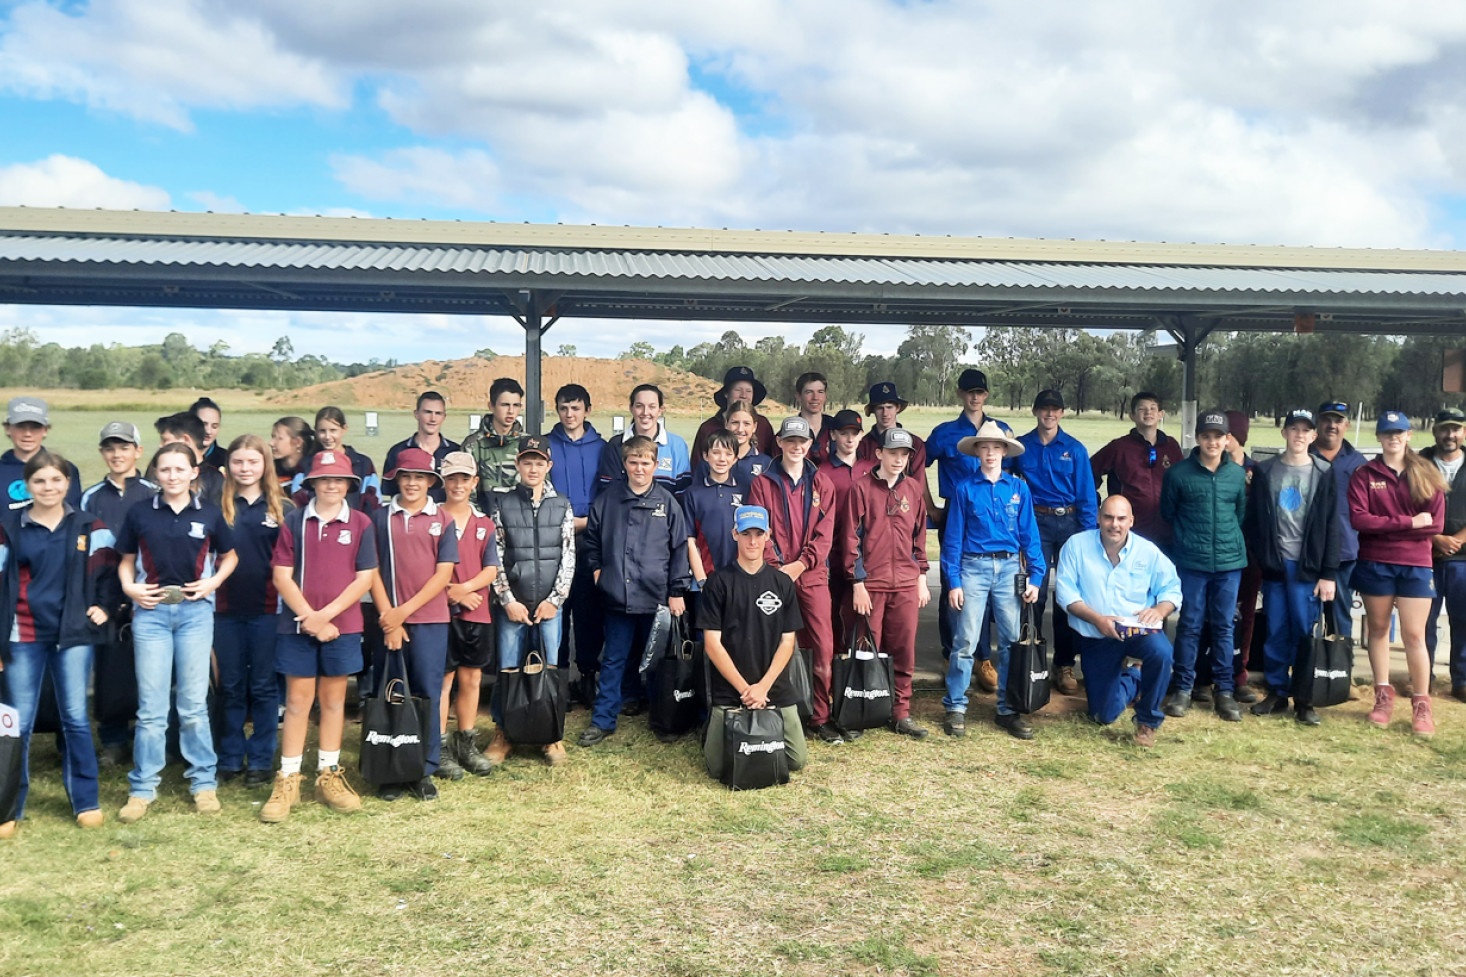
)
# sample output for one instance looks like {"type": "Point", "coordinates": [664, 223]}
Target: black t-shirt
{"type": "Point", "coordinates": [753, 611]}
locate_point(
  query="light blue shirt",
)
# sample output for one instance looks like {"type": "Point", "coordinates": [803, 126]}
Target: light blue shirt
{"type": "Point", "coordinates": [1143, 578]}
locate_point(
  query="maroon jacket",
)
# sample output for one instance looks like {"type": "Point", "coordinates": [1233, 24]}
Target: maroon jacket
{"type": "Point", "coordinates": [840, 476]}
{"type": "Point", "coordinates": [1124, 467]}
{"type": "Point", "coordinates": [885, 532]}
{"type": "Point", "coordinates": [801, 518]}
{"type": "Point", "coordinates": [763, 436]}
{"type": "Point", "coordinates": [1381, 509]}
{"type": "Point", "coordinates": [866, 450]}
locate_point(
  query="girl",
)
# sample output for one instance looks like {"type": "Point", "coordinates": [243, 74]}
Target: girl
{"type": "Point", "coordinates": [60, 571]}
{"type": "Point", "coordinates": [1397, 503]}
{"type": "Point", "coordinates": [331, 436]}
{"type": "Point", "coordinates": [741, 421]}
{"type": "Point", "coordinates": [176, 551]}
{"type": "Point", "coordinates": [325, 560]}
{"type": "Point", "coordinates": [292, 441]}
{"type": "Point", "coordinates": [244, 617]}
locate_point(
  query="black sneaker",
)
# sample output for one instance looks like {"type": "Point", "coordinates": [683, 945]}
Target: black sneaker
{"type": "Point", "coordinates": [1306, 716]}
{"type": "Point", "coordinates": [666, 737]}
{"type": "Point", "coordinates": [424, 789]}
{"type": "Point", "coordinates": [1016, 726]}
{"type": "Point", "coordinates": [391, 792]}
{"type": "Point", "coordinates": [226, 776]}
{"type": "Point", "coordinates": [593, 735]}
{"type": "Point", "coordinates": [1177, 704]}
{"type": "Point", "coordinates": [1201, 695]}
{"type": "Point", "coordinates": [850, 735]}
{"type": "Point", "coordinates": [1274, 703]}
{"type": "Point", "coordinates": [1458, 692]}
{"type": "Point", "coordinates": [905, 727]}
{"type": "Point", "coordinates": [829, 733]}
{"type": "Point", "coordinates": [255, 779]}
{"type": "Point", "coordinates": [1227, 707]}
{"type": "Point", "coordinates": [112, 755]}
{"type": "Point", "coordinates": [633, 707]}
{"type": "Point", "coordinates": [955, 724]}
{"type": "Point", "coordinates": [1246, 693]}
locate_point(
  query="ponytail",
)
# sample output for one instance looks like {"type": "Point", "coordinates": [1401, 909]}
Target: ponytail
{"type": "Point", "coordinates": [1424, 478]}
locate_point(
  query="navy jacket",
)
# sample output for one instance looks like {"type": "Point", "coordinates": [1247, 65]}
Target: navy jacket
{"type": "Point", "coordinates": [91, 578]}
{"type": "Point", "coordinates": [1345, 464]}
{"type": "Point", "coordinates": [639, 543]}
{"type": "Point", "coordinates": [575, 465]}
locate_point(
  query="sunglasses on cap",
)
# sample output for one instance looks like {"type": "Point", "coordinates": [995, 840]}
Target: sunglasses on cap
{"type": "Point", "coordinates": [1335, 408]}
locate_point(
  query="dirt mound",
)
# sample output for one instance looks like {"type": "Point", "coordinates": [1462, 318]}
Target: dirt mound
{"type": "Point", "coordinates": [466, 384]}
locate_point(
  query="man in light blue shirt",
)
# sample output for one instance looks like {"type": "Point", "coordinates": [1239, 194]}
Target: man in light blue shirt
{"type": "Point", "coordinates": [1109, 576]}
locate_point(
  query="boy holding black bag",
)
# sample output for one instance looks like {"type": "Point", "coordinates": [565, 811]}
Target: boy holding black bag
{"type": "Point", "coordinates": [749, 613]}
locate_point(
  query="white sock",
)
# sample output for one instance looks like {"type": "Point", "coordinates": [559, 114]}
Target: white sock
{"type": "Point", "coordinates": [289, 765]}
{"type": "Point", "coordinates": [328, 759]}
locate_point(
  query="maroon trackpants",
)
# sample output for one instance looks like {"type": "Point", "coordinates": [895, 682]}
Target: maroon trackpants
{"type": "Point", "coordinates": [893, 615]}
{"type": "Point", "coordinates": [842, 593]}
{"type": "Point", "coordinates": [816, 635]}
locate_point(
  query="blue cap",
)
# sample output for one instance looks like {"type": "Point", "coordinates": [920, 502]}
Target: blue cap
{"type": "Point", "coordinates": [1390, 422]}
{"type": "Point", "coordinates": [747, 517]}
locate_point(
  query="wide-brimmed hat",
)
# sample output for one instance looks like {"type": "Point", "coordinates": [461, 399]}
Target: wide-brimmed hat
{"type": "Point", "coordinates": [331, 464]}
{"type": "Point", "coordinates": [414, 460]}
{"type": "Point", "coordinates": [990, 432]}
{"type": "Point", "coordinates": [735, 375]}
{"type": "Point", "coordinates": [884, 393]}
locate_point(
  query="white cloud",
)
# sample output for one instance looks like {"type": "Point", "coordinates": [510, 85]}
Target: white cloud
{"type": "Point", "coordinates": [65, 181]}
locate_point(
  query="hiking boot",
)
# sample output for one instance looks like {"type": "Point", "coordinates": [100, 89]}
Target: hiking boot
{"type": "Point", "coordinates": [955, 724]}
{"type": "Point", "coordinates": [90, 819]}
{"type": "Point", "coordinates": [593, 735]}
{"type": "Point", "coordinates": [469, 756]}
{"type": "Point", "coordinates": [1274, 703]}
{"type": "Point", "coordinates": [1177, 704]}
{"type": "Point", "coordinates": [1016, 726]}
{"type": "Point", "coordinates": [255, 779]}
{"type": "Point", "coordinates": [499, 749]}
{"type": "Point", "coordinates": [448, 768]}
{"type": "Point", "coordinates": [555, 754]}
{"type": "Point", "coordinates": [424, 789]}
{"type": "Point", "coordinates": [284, 796]}
{"type": "Point", "coordinates": [829, 733]}
{"type": "Point", "coordinates": [133, 810]}
{"type": "Point", "coordinates": [335, 791]}
{"type": "Point", "coordinates": [1384, 706]}
{"type": "Point", "coordinates": [1227, 707]}
{"type": "Point", "coordinates": [1145, 735]}
{"type": "Point", "coordinates": [1201, 695]}
{"type": "Point", "coordinates": [207, 802]}
{"type": "Point", "coordinates": [1245, 693]}
{"type": "Point", "coordinates": [987, 677]}
{"type": "Point", "coordinates": [1306, 716]}
{"type": "Point", "coordinates": [1066, 683]}
{"type": "Point", "coordinates": [1420, 716]}
{"type": "Point", "coordinates": [905, 727]}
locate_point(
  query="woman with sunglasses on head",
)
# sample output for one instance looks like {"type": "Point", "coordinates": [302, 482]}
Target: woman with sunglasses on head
{"type": "Point", "coordinates": [1397, 503]}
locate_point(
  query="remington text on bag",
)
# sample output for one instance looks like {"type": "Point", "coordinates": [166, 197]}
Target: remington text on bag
{"type": "Point", "coordinates": [1028, 667]}
{"type": "Point", "coordinates": [862, 683]}
{"type": "Point", "coordinates": [1325, 669]}
{"type": "Point", "coordinates": [753, 749]}
{"type": "Point", "coordinates": [533, 702]}
{"type": "Point", "coordinates": [801, 678]}
{"type": "Point", "coordinates": [677, 695]}
{"type": "Point", "coordinates": [394, 732]}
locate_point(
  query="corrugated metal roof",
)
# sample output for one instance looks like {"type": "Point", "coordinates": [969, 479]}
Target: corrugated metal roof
{"type": "Point", "coordinates": [598, 265]}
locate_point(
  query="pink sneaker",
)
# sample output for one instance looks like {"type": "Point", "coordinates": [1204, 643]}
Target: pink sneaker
{"type": "Point", "coordinates": [1421, 717]}
{"type": "Point", "coordinates": [1384, 706]}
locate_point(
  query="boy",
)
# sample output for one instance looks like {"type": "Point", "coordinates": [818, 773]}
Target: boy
{"type": "Point", "coordinates": [535, 531]}
{"type": "Point", "coordinates": [636, 545]}
{"type": "Point", "coordinates": [186, 428]}
{"type": "Point", "coordinates": [417, 545]}
{"type": "Point", "coordinates": [1135, 466]}
{"type": "Point", "coordinates": [431, 411]}
{"type": "Point", "coordinates": [492, 445]}
{"type": "Point", "coordinates": [27, 422]}
{"type": "Point", "coordinates": [470, 633]}
{"type": "Point", "coordinates": [575, 454]}
{"type": "Point", "coordinates": [841, 467]}
{"type": "Point", "coordinates": [749, 615]}
{"type": "Point", "coordinates": [885, 560]}
{"type": "Point", "coordinates": [709, 502]}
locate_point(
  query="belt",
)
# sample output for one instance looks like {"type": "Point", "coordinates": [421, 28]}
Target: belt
{"type": "Point", "coordinates": [1060, 510]}
{"type": "Point", "coordinates": [1000, 555]}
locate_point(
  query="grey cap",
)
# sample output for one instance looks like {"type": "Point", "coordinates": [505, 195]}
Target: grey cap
{"type": "Point", "coordinates": [898, 437]}
{"type": "Point", "coordinates": [795, 427]}
{"type": "Point", "coordinates": [121, 431]}
{"type": "Point", "coordinates": [23, 410]}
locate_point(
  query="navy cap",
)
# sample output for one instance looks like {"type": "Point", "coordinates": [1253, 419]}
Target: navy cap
{"type": "Point", "coordinates": [972, 380]}
{"type": "Point", "coordinates": [747, 517]}
{"type": "Point", "coordinates": [898, 437]}
{"type": "Point", "coordinates": [1334, 407]}
{"type": "Point", "coordinates": [1048, 398]}
{"type": "Point", "coordinates": [847, 418]}
{"type": "Point", "coordinates": [1391, 422]}
{"type": "Point", "coordinates": [1300, 414]}
{"type": "Point", "coordinates": [1213, 420]}
{"type": "Point", "coordinates": [1451, 415]}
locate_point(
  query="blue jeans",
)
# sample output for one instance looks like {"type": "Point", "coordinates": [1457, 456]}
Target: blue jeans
{"type": "Point", "coordinates": [514, 643]}
{"type": "Point", "coordinates": [1450, 588]}
{"type": "Point", "coordinates": [1291, 610]}
{"type": "Point", "coordinates": [171, 646]}
{"type": "Point", "coordinates": [1110, 689]}
{"type": "Point", "coordinates": [985, 580]}
{"type": "Point", "coordinates": [70, 670]}
{"type": "Point", "coordinates": [1344, 599]}
{"type": "Point", "coordinates": [624, 632]}
{"type": "Point", "coordinates": [244, 646]}
{"type": "Point", "coordinates": [1209, 598]}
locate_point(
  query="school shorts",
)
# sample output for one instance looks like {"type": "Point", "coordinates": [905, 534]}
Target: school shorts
{"type": "Point", "coordinates": [301, 656]}
{"type": "Point", "coordinates": [1392, 580]}
{"type": "Point", "coordinates": [470, 644]}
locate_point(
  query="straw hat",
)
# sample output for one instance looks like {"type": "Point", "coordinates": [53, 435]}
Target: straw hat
{"type": "Point", "coordinates": [990, 432]}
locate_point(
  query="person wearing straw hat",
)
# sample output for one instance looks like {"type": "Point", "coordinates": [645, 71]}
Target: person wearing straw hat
{"type": "Point", "coordinates": [1446, 547]}
{"type": "Point", "coordinates": [991, 533]}
{"type": "Point", "coordinates": [739, 384]}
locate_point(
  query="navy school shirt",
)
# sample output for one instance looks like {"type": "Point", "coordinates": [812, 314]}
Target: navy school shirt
{"type": "Point", "coordinates": [709, 506]}
{"type": "Point", "coordinates": [12, 477]}
{"type": "Point", "coordinates": [41, 557]}
{"type": "Point", "coordinates": [250, 589]}
{"type": "Point", "coordinates": [110, 504]}
{"type": "Point", "coordinates": [175, 548]}
{"type": "Point", "coordinates": [389, 485]}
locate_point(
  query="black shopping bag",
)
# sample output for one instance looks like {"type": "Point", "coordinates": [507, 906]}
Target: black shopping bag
{"type": "Point", "coordinates": [801, 680]}
{"type": "Point", "coordinates": [1325, 667]}
{"type": "Point", "coordinates": [862, 683]}
{"type": "Point", "coordinates": [677, 693]}
{"type": "Point", "coordinates": [12, 754]}
{"type": "Point", "coordinates": [753, 749]}
{"type": "Point", "coordinates": [1028, 667]}
{"type": "Point", "coordinates": [394, 732]}
{"type": "Point", "coordinates": [533, 702]}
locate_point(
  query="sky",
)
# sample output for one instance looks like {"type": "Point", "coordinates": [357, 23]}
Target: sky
{"type": "Point", "coordinates": [1335, 123]}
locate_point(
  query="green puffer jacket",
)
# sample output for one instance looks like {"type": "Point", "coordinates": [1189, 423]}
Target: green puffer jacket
{"type": "Point", "coordinates": [1205, 510]}
{"type": "Point", "coordinates": [494, 454]}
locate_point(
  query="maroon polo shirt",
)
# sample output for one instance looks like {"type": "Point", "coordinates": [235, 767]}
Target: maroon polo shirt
{"type": "Point", "coordinates": [476, 550]}
{"type": "Point", "coordinates": [415, 543]}
{"type": "Point", "coordinates": [324, 555]}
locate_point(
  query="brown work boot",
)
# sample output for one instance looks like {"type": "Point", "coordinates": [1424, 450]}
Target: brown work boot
{"type": "Point", "coordinates": [499, 748]}
{"type": "Point", "coordinates": [7, 830]}
{"type": "Point", "coordinates": [207, 802]}
{"type": "Point", "coordinates": [284, 796]}
{"type": "Point", "coordinates": [987, 677]}
{"type": "Point", "coordinates": [555, 753]}
{"type": "Point", "coordinates": [133, 810]}
{"type": "Point", "coordinates": [334, 791]}
{"type": "Point", "coordinates": [1384, 706]}
{"type": "Point", "coordinates": [1145, 735]}
{"type": "Point", "coordinates": [1066, 683]}
{"type": "Point", "coordinates": [90, 819]}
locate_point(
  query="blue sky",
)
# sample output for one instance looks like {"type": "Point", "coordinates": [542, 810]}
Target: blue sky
{"type": "Point", "coordinates": [1305, 123]}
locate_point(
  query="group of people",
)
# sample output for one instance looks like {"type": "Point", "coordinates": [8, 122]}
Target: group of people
{"type": "Point", "coordinates": [281, 568]}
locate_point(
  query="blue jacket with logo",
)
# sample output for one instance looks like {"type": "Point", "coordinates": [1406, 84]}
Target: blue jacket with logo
{"type": "Point", "coordinates": [639, 543]}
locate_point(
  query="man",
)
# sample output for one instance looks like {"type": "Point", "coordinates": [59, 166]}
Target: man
{"type": "Point", "coordinates": [800, 500]}
{"type": "Point", "coordinates": [811, 393]}
{"type": "Point", "coordinates": [1292, 533]}
{"type": "Point", "coordinates": [1333, 423]}
{"type": "Point", "coordinates": [211, 417]}
{"type": "Point", "coordinates": [1450, 559]}
{"type": "Point", "coordinates": [1106, 576]}
{"type": "Point", "coordinates": [749, 615]}
{"type": "Point", "coordinates": [1204, 499]}
{"type": "Point", "coordinates": [431, 411]}
{"type": "Point", "coordinates": [27, 422]}
{"type": "Point", "coordinates": [673, 465]}
{"type": "Point", "coordinates": [188, 429]}
{"type": "Point", "coordinates": [954, 466]}
{"type": "Point", "coordinates": [493, 445]}
{"type": "Point", "coordinates": [1056, 467]}
{"type": "Point", "coordinates": [842, 467]}
{"type": "Point", "coordinates": [990, 524]}
{"type": "Point", "coordinates": [1135, 466]}
{"type": "Point", "coordinates": [575, 450]}
{"type": "Point", "coordinates": [739, 383]}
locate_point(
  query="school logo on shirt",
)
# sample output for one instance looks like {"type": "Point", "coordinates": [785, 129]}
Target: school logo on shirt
{"type": "Point", "coordinates": [814, 499]}
{"type": "Point", "coordinates": [483, 533]}
{"type": "Point", "coordinates": [905, 504]}
{"type": "Point", "coordinates": [1379, 486]}
{"type": "Point", "coordinates": [769, 602]}
{"type": "Point", "coordinates": [344, 537]}
{"type": "Point", "coordinates": [757, 469]}
{"type": "Point", "coordinates": [1017, 499]}
{"type": "Point", "coordinates": [737, 499]}
{"type": "Point", "coordinates": [660, 512]}
{"type": "Point", "coordinates": [435, 529]}
{"type": "Point", "coordinates": [81, 544]}
{"type": "Point", "coordinates": [270, 522]}
{"type": "Point", "coordinates": [196, 530]}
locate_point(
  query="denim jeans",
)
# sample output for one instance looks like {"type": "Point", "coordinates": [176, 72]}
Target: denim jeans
{"type": "Point", "coordinates": [514, 645]}
{"type": "Point", "coordinates": [1110, 689]}
{"type": "Point", "coordinates": [1209, 598]}
{"type": "Point", "coordinates": [244, 645]}
{"type": "Point", "coordinates": [624, 632]}
{"type": "Point", "coordinates": [70, 670]}
{"type": "Point", "coordinates": [985, 580]}
{"type": "Point", "coordinates": [1450, 588]}
{"type": "Point", "coordinates": [1344, 599]}
{"type": "Point", "coordinates": [1291, 610]}
{"type": "Point", "coordinates": [171, 645]}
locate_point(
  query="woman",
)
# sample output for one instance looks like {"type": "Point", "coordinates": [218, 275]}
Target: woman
{"type": "Point", "coordinates": [1397, 503]}
{"type": "Point", "coordinates": [189, 553]}
{"type": "Point", "coordinates": [293, 442]}
{"type": "Point", "coordinates": [331, 436]}
{"type": "Point", "coordinates": [59, 573]}
{"type": "Point", "coordinates": [740, 421]}
{"type": "Point", "coordinates": [244, 615]}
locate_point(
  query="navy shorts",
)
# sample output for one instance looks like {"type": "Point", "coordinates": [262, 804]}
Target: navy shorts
{"type": "Point", "coordinates": [1392, 580]}
{"type": "Point", "coordinates": [302, 656]}
{"type": "Point", "coordinates": [471, 644]}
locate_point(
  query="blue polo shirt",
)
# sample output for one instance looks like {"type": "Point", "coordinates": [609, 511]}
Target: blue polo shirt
{"type": "Point", "coordinates": [709, 506]}
{"type": "Point", "coordinates": [41, 554]}
{"type": "Point", "coordinates": [991, 517]}
{"type": "Point", "coordinates": [175, 548]}
{"type": "Point", "coordinates": [952, 465]}
{"type": "Point", "coordinates": [1058, 475]}
{"type": "Point", "coordinates": [250, 589]}
{"type": "Point", "coordinates": [1143, 578]}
